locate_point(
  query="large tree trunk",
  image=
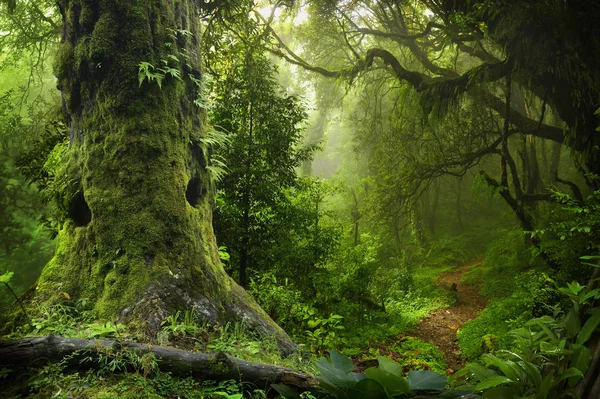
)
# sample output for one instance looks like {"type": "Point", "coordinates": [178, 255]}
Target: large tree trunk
{"type": "Point", "coordinates": [137, 239]}
{"type": "Point", "coordinates": [83, 354]}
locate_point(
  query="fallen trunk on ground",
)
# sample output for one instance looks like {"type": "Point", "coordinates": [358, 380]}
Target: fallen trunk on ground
{"type": "Point", "coordinates": [84, 353]}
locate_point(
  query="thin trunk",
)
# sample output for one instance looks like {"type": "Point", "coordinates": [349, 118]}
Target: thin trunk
{"type": "Point", "coordinates": [505, 133]}
{"type": "Point", "coordinates": [555, 159]}
{"type": "Point", "coordinates": [245, 260]}
{"type": "Point", "coordinates": [533, 179]}
{"type": "Point", "coordinates": [432, 213]}
{"type": "Point", "coordinates": [458, 202]}
{"type": "Point", "coordinates": [355, 219]}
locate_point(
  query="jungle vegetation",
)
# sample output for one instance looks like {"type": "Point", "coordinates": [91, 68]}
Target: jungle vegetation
{"type": "Point", "coordinates": [288, 181]}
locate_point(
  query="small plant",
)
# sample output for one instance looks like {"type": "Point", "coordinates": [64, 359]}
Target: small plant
{"type": "Point", "coordinates": [322, 332]}
{"type": "Point", "coordinates": [5, 278]}
{"type": "Point", "coordinates": [416, 354]}
{"type": "Point", "coordinates": [149, 72]}
{"type": "Point", "coordinates": [57, 319]}
{"type": "Point", "coordinates": [104, 330]}
{"type": "Point", "coordinates": [181, 328]}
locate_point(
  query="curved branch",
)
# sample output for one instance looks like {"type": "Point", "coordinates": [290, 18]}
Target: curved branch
{"type": "Point", "coordinates": [393, 35]}
{"type": "Point", "coordinates": [422, 82]}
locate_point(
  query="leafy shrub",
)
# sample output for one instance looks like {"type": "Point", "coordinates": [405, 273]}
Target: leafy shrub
{"type": "Point", "coordinates": [497, 320]}
{"type": "Point", "coordinates": [549, 356]}
{"type": "Point", "coordinates": [387, 380]}
{"type": "Point", "coordinates": [417, 354]}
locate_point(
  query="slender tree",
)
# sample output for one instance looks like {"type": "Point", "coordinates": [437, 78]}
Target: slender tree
{"type": "Point", "coordinates": [265, 125]}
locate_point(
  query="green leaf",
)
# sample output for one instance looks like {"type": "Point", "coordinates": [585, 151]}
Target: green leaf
{"type": "Point", "coordinates": [286, 391]}
{"type": "Point", "coordinates": [393, 384]}
{"type": "Point", "coordinates": [575, 287]}
{"type": "Point", "coordinates": [5, 278]}
{"type": "Point", "coordinates": [313, 323]}
{"type": "Point", "coordinates": [572, 323]}
{"type": "Point", "coordinates": [570, 372]}
{"type": "Point", "coordinates": [499, 393]}
{"type": "Point", "coordinates": [477, 370]}
{"type": "Point", "coordinates": [491, 382]}
{"type": "Point", "coordinates": [588, 328]}
{"type": "Point", "coordinates": [367, 389]}
{"type": "Point", "coordinates": [591, 294]}
{"type": "Point", "coordinates": [426, 380]}
{"type": "Point", "coordinates": [389, 366]}
{"type": "Point", "coordinates": [544, 388]}
{"type": "Point", "coordinates": [341, 362]}
{"type": "Point", "coordinates": [336, 375]}
{"type": "Point", "coordinates": [508, 367]}
{"type": "Point", "coordinates": [581, 357]}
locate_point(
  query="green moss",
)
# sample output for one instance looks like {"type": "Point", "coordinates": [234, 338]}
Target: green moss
{"type": "Point", "coordinates": [219, 364]}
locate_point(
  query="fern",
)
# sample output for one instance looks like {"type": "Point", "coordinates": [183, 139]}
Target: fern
{"type": "Point", "coordinates": [216, 138]}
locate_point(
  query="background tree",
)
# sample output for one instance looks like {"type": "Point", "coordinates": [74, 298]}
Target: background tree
{"type": "Point", "coordinates": [265, 127]}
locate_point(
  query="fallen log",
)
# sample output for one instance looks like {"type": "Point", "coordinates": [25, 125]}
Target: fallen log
{"type": "Point", "coordinates": [81, 354]}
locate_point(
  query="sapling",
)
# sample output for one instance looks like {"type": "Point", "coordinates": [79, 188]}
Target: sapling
{"type": "Point", "coordinates": [5, 278]}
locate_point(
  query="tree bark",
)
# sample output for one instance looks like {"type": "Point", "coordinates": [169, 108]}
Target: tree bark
{"type": "Point", "coordinates": [136, 194]}
{"type": "Point", "coordinates": [38, 351]}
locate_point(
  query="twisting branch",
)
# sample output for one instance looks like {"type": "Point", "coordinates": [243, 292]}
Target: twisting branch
{"type": "Point", "coordinates": [394, 35]}
{"type": "Point", "coordinates": [421, 82]}
{"type": "Point", "coordinates": [574, 187]}
{"type": "Point", "coordinates": [515, 175]}
{"type": "Point", "coordinates": [524, 218]}
{"type": "Point", "coordinates": [345, 35]}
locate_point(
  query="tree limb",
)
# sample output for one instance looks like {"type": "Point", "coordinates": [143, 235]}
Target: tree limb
{"type": "Point", "coordinates": [38, 351]}
{"type": "Point", "coordinates": [422, 82]}
{"type": "Point", "coordinates": [393, 35]}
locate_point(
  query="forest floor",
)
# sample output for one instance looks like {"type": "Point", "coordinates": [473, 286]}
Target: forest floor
{"type": "Point", "coordinates": [440, 326]}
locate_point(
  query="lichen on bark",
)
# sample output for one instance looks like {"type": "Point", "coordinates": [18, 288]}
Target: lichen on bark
{"type": "Point", "coordinates": [136, 238]}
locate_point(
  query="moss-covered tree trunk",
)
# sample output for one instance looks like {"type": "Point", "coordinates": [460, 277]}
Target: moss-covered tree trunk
{"type": "Point", "coordinates": [137, 237]}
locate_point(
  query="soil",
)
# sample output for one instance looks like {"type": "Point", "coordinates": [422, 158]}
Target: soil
{"type": "Point", "coordinates": [440, 326]}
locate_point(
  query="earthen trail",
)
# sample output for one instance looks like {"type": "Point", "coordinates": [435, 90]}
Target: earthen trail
{"type": "Point", "coordinates": [440, 326]}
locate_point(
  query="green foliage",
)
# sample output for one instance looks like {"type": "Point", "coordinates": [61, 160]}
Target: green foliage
{"type": "Point", "coordinates": [24, 245]}
{"type": "Point", "coordinates": [573, 230]}
{"type": "Point", "coordinates": [415, 354]}
{"type": "Point", "coordinates": [322, 333]}
{"type": "Point", "coordinates": [147, 71]}
{"type": "Point", "coordinates": [181, 326]}
{"type": "Point", "coordinates": [256, 219]}
{"type": "Point", "coordinates": [549, 355]}
{"type": "Point", "coordinates": [126, 374]}
{"type": "Point", "coordinates": [6, 277]}
{"type": "Point", "coordinates": [67, 320]}
{"type": "Point", "coordinates": [387, 380]}
{"type": "Point", "coordinates": [449, 251]}
{"type": "Point", "coordinates": [491, 329]}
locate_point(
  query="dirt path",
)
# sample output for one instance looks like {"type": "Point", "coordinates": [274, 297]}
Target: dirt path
{"type": "Point", "coordinates": [440, 326]}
